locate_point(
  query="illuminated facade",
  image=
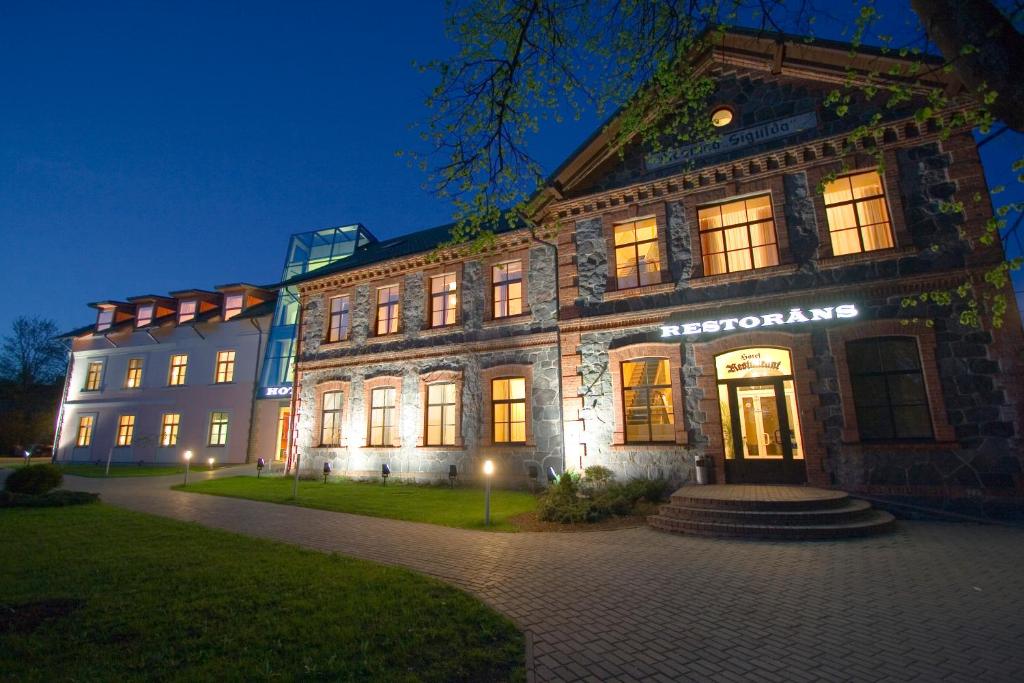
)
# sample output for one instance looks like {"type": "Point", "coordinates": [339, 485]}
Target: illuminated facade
{"type": "Point", "coordinates": [738, 299]}
{"type": "Point", "coordinates": [155, 376]}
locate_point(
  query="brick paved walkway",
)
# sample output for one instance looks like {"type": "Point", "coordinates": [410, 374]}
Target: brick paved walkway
{"type": "Point", "coordinates": [931, 602]}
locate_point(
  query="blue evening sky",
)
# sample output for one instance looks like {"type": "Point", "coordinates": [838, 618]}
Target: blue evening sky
{"type": "Point", "coordinates": [153, 146]}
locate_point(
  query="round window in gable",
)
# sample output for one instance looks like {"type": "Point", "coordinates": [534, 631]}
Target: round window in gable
{"type": "Point", "coordinates": [721, 116]}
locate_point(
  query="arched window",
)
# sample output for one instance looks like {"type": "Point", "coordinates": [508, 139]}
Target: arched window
{"type": "Point", "coordinates": [889, 392]}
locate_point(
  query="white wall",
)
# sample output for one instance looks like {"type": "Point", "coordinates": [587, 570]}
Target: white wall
{"type": "Point", "coordinates": [195, 401]}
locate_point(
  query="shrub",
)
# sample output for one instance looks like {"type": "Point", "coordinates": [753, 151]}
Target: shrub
{"type": "Point", "coordinates": [564, 503]}
{"type": "Point", "coordinates": [59, 498]}
{"type": "Point", "coordinates": [34, 479]}
{"type": "Point", "coordinates": [598, 474]}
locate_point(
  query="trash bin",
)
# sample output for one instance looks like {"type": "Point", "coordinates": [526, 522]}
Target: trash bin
{"type": "Point", "coordinates": [703, 466]}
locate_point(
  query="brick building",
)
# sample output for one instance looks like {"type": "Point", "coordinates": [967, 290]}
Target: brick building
{"type": "Point", "coordinates": [701, 300]}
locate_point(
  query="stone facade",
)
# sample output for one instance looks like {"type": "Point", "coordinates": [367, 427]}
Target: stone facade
{"type": "Point", "coordinates": [526, 343]}
{"type": "Point", "coordinates": [579, 328]}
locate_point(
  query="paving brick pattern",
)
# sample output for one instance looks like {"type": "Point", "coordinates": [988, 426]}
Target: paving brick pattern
{"type": "Point", "coordinates": [931, 602]}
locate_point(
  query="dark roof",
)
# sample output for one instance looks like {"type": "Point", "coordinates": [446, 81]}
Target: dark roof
{"type": "Point", "coordinates": [403, 245]}
{"type": "Point", "coordinates": [77, 332]}
{"type": "Point", "coordinates": [265, 308]}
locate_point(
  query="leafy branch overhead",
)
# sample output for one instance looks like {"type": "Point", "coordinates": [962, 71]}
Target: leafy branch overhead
{"type": "Point", "coordinates": [524, 65]}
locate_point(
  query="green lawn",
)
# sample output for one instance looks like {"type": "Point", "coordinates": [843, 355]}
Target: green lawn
{"type": "Point", "coordinates": [84, 470]}
{"type": "Point", "coordinates": [458, 507]}
{"type": "Point", "coordinates": [125, 596]}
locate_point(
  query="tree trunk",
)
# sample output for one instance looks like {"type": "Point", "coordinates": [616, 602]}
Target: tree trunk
{"type": "Point", "coordinates": [998, 59]}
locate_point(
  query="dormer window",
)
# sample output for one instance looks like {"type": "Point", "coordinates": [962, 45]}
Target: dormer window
{"type": "Point", "coordinates": [233, 305]}
{"type": "Point", "coordinates": [186, 311]}
{"type": "Point", "coordinates": [144, 315]}
{"type": "Point", "coordinates": [105, 319]}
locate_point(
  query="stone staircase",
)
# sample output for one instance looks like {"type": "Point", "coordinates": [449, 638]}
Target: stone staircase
{"type": "Point", "coordinates": [767, 512]}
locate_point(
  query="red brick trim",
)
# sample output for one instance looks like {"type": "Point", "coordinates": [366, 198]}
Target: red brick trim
{"type": "Point", "coordinates": [925, 338]}
{"type": "Point", "coordinates": [718, 195]}
{"type": "Point", "coordinates": [376, 383]}
{"type": "Point", "coordinates": [487, 375]}
{"type": "Point", "coordinates": [374, 288]}
{"type": "Point", "coordinates": [456, 269]}
{"type": "Point", "coordinates": [436, 377]}
{"type": "Point", "coordinates": [649, 350]}
{"type": "Point", "coordinates": [318, 407]}
{"type": "Point", "coordinates": [801, 354]}
{"type": "Point", "coordinates": [858, 163]}
{"type": "Point", "coordinates": [487, 265]}
{"type": "Point", "coordinates": [656, 210]}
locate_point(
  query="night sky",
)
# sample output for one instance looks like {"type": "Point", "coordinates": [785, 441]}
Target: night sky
{"type": "Point", "coordinates": [147, 147]}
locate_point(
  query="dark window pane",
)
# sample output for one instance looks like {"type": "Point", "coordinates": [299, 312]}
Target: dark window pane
{"type": "Point", "coordinates": [912, 422]}
{"type": "Point", "coordinates": [900, 354]}
{"type": "Point", "coordinates": [869, 390]}
{"type": "Point", "coordinates": [875, 423]}
{"type": "Point", "coordinates": [907, 389]}
{"type": "Point", "coordinates": [863, 357]}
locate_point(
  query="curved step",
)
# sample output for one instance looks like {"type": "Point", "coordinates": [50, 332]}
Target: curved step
{"type": "Point", "coordinates": [758, 497]}
{"type": "Point", "coordinates": [849, 511]}
{"type": "Point", "coordinates": [873, 522]}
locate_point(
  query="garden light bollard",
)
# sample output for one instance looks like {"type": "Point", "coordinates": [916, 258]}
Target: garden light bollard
{"type": "Point", "coordinates": [488, 471]}
{"type": "Point", "coordinates": [188, 459]}
{"type": "Point", "coordinates": [260, 464]}
{"type": "Point", "coordinates": [295, 480]}
{"type": "Point", "coordinates": [327, 470]}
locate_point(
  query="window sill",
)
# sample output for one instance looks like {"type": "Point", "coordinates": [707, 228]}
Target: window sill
{"type": "Point", "coordinates": [726, 278]}
{"type": "Point", "coordinates": [648, 446]}
{"type": "Point", "coordinates": [644, 290]}
{"type": "Point", "coordinates": [508, 320]}
{"type": "Point", "coordinates": [833, 261]}
{"type": "Point", "coordinates": [440, 331]}
{"type": "Point", "coordinates": [452, 447]}
{"type": "Point", "coordinates": [338, 344]}
{"type": "Point", "coordinates": [903, 445]}
{"type": "Point", "coordinates": [383, 339]}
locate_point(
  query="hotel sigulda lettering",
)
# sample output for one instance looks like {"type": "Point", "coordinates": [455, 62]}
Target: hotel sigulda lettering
{"type": "Point", "coordinates": [794, 316]}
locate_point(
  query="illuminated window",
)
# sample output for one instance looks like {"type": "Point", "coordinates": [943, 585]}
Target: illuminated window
{"type": "Point", "coordinates": [186, 311]}
{"type": "Point", "coordinates": [225, 367]}
{"type": "Point", "coordinates": [105, 319]}
{"type": "Point", "coordinates": [647, 400]}
{"type": "Point", "coordinates": [233, 305]}
{"type": "Point", "coordinates": [169, 429]}
{"type": "Point", "coordinates": [85, 424]}
{"type": "Point", "coordinates": [383, 431]}
{"type": "Point", "coordinates": [387, 310]}
{"type": "Point", "coordinates": [125, 430]}
{"type": "Point", "coordinates": [441, 425]}
{"type": "Point", "coordinates": [179, 365]}
{"type": "Point", "coordinates": [133, 377]}
{"type": "Point", "coordinates": [508, 404]}
{"type": "Point", "coordinates": [507, 283]}
{"type": "Point", "coordinates": [858, 218]}
{"type": "Point", "coordinates": [144, 315]}
{"type": "Point", "coordinates": [637, 257]}
{"type": "Point", "coordinates": [888, 389]}
{"type": "Point", "coordinates": [330, 419]}
{"type": "Point", "coordinates": [443, 300]}
{"type": "Point", "coordinates": [338, 327]}
{"type": "Point", "coordinates": [738, 235]}
{"type": "Point", "coordinates": [93, 376]}
{"type": "Point", "coordinates": [218, 429]}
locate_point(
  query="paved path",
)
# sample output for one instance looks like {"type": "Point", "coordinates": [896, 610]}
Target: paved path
{"type": "Point", "coordinates": [934, 601]}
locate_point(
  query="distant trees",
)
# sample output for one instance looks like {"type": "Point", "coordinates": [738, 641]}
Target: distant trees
{"type": "Point", "coordinates": [32, 365]}
{"type": "Point", "coordinates": [31, 354]}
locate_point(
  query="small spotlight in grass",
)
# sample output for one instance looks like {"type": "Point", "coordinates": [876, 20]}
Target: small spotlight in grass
{"type": "Point", "coordinates": [327, 470]}
{"type": "Point", "coordinates": [385, 472]}
{"type": "Point", "coordinates": [453, 474]}
{"type": "Point", "coordinates": [260, 464]}
{"type": "Point", "coordinates": [209, 461]}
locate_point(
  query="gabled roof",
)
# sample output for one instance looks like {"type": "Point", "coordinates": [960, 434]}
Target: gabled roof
{"type": "Point", "coordinates": [828, 61]}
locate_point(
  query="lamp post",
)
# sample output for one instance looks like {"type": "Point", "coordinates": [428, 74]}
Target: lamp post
{"type": "Point", "coordinates": [488, 471]}
{"type": "Point", "coordinates": [188, 459]}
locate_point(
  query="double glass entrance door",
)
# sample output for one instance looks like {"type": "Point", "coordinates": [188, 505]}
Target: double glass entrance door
{"type": "Point", "coordinates": [762, 431]}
